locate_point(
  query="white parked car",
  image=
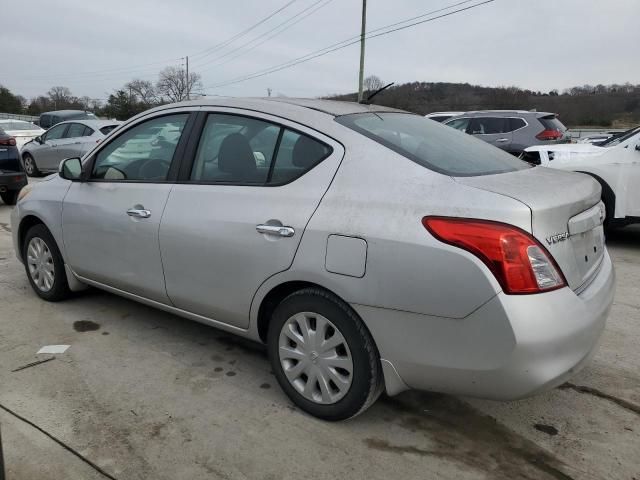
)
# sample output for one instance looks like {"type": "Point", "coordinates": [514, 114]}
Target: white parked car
{"type": "Point", "coordinates": [22, 131]}
{"type": "Point", "coordinates": [442, 116]}
{"type": "Point", "coordinates": [615, 164]}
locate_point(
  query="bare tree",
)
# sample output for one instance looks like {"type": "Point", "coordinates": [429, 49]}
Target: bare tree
{"type": "Point", "coordinates": [373, 82]}
{"type": "Point", "coordinates": [174, 84]}
{"type": "Point", "coordinates": [143, 90]}
{"type": "Point", "coordinates": [61, 97]}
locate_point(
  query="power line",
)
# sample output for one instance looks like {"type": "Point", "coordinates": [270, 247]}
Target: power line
{"type": "Point", "coordinates": [350, 41]}
{"type": "Point", "coordinates": [322, 3]}
{"type": "Point", "coordinates": [117, 71]}
{"type": "Point", "coordinates": [217, 47]}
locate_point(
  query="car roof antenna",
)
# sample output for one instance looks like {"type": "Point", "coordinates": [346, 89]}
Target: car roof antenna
{"type": "Point", "coordinates": [368, 100]}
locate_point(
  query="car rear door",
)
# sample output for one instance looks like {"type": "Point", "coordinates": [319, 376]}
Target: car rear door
{"type": "Point", "coordinates": [240, 211]}
{"type": "Point", "coordinates": [68, 145]}
{"type": "Point", "coordinates": [111, 219]}
{"type": "Point", "coordinates": [493, 130]}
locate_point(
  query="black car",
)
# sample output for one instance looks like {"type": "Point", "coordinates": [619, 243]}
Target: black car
{"type": "Point", "coordinates": [12, 176]}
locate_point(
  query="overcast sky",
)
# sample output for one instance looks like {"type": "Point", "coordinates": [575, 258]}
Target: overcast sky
{"type": "Point", "coordinates": [95, 47]}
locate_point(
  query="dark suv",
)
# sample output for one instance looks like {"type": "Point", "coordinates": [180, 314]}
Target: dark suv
{"type": "Point", "coordinates": [12, 176]}
{"type": "Point", "coordinates": [49, 119]}
{"type": "Point", "coordinates": [512, 130]}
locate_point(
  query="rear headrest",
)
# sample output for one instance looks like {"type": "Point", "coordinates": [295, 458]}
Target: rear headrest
{"type": "Point", "coordinates": [236, 156]}
{"type": "Point", "coordinates": [307, 152]}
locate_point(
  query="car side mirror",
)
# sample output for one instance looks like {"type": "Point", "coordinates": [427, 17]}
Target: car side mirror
{"type": "Point", "coordinates": [638, 147]}
{"type": "Point", "coordinates": [71, 169]}
{"type": "Point", "coordinates": [38, 139]}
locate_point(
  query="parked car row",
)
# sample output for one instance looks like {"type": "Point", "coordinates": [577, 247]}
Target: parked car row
{"type": "Point", "coordinates": [615, 164]}
{"type": "Point", "coordinates": [66, 139]}
{"type": "Point", "coordinates": [12, 177]}
{"type": "Point", "coordinates": [369, 248]}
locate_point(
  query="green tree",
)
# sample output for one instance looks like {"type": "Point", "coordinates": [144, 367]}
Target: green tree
{"type": "Point", "coordinates": [9, 103]}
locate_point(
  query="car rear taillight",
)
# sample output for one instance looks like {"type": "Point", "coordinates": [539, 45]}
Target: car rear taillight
{"type": "Point", "coordinates": [11, 142]}
{"type": "Point", "coordinates": [517, 260]}
{"type": "Point", "coordinates": [548, 134]}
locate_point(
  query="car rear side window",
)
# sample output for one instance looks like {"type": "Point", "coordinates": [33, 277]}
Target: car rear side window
{"type": "Point", "coordinates": [88, 131]}
{"type": "Point", "coordinates": [297, 154]}
{"type": "Point", "coordinates": [516, 123]}
{"type": "Point", "coordinates": [432, 145]}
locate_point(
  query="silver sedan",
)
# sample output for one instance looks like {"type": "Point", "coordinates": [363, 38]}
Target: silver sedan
{"type": "Point", "coordinates": [66, 139]}
{"type": "Point", "coordinates": [370, 249]}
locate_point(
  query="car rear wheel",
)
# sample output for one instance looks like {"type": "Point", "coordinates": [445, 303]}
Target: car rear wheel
{"type": "Point", "coordinates": [30, 165]}
{"type": "Point", "coordinates": [323, 356]}
{"type": "Point", "coordinates": [44, 265]}
{"type": "Point", "coordinates": [10, 198]}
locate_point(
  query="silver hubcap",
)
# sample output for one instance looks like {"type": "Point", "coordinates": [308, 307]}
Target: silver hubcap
{"type": "Point", "coordinates": [40, 262]}
{"type": "Point", "coordinates": [315, 358]}
{"type": "Point", "coordinates": [28, 164]}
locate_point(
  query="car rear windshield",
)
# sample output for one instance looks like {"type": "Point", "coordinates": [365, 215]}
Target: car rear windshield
{"type": "Point", "coordinates": [619, 138]}
{"type": "Point", "coordinates": [19, 126]}
{"type": "Point", "coordinates": [107, 129]}
{"type": "Point", "coordinates": [551, 122]}
{"type": "Point", "coordinates": [433, 145]}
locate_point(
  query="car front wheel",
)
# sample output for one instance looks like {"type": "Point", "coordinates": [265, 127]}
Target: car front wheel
{"type": "Point", "coordinates": [44, 265]}
{"type": "Point", "coordinates": [30, 165]}
{"type": "Point", "coordinates": [323, 356]}
{"type": "Point", "coordinates": [10, 198]}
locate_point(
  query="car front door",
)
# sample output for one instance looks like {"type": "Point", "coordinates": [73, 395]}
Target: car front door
{"type": "Point", "coordinates": [47, 155]}
{"type": "Point", "coordinates": [111, 219]}
{"type": "Point", "coordinates": [238, 214]}
{"type": "Point", "coordinates": [493, 130]}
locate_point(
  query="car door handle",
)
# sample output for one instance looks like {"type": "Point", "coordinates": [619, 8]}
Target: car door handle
{"type": "Point", "coordinates": [502, 140]}
{"type": "Point", "coordinates": [139, 212]}
{"type": "Point", "coordinates": [276, 230]}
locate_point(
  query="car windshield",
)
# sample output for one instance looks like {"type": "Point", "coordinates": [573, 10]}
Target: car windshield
{"type": "Point", "coordinates": [433, 145]}
{"type": "Point", "coordinates": [19, 125]}
{"type": "Point", "coordinates": [621, 137]}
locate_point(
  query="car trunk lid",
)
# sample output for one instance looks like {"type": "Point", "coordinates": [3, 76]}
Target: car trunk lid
{"type": "Point", "coordinates": [566, 215]}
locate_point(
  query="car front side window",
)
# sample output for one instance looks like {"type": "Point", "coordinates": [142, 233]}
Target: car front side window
{"type": "Point", "coordinates": [142, 153]}
{"type": "Point", "coordinates": [55, 133]}
{"type": "Point", "coordinates": [459, 124]}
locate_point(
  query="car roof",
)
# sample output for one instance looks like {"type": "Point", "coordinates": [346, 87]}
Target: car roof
{"type": "Point", "coordinates": [456, 112]}
{"type": "Point", "coordinates": [282, 105]}
{"type": "Point", "coordinates": [66, 112]}
{"type": "Point", "coordinates": [91, 123]}
{"type": "Point", "coordinates": [477, 113]}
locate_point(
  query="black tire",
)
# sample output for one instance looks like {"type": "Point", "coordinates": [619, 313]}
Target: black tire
{"type": "Point", "coordinates": [10, 198]}
{"type": "Point", "coordinates": [367, 381]}
{"type": "Point", "coordinates": [60, 288]}
{"type": "Point", "coordinates": [30, 166]}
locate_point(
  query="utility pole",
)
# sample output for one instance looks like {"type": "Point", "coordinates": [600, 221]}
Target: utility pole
{"type": "Point", "coordinates": [188, 83]}
{"type": "Point", "coordinates": [362, 32]}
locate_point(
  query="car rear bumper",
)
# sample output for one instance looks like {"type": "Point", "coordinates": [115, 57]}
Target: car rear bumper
{"type": "Point", "coordinates": [12, 181]}
{"type": "Point", "coordinates": [511, 347]}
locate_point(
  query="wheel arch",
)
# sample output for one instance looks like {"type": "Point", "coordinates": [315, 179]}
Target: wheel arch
{"type": "Point", "coordinates": [275, 295]}
{"type": "Point", "coordinates": [25, 224]}
{"type": "Point", "coordinates": [608, 195]}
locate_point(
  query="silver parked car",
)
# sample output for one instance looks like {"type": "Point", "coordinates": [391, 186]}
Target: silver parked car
{"type": "Point", "coordinates": [369, 248]}
{"type": "Point", "coordinates": [64, 140]}
{"type": "Point", "coordinates": [512, 130]}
